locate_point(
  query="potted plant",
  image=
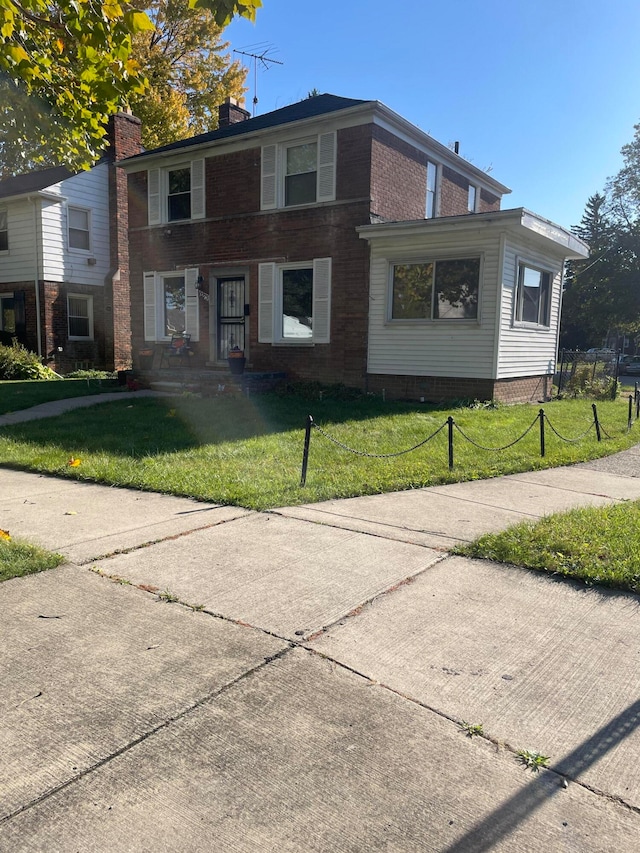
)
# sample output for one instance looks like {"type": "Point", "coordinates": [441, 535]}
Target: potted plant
{"type": "Point", "coordinates": [236, 361]}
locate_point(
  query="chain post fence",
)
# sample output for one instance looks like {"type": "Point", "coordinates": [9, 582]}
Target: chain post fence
{"type": "Point", "coordinates": [452, 427]}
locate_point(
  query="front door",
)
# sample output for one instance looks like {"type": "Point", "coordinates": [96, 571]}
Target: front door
{"type": "Point", "coordinates": [230, 302]}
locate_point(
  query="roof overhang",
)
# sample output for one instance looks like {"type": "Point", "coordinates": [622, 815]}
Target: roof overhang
{"type": "Point", "coordinates": [519, 221]}
{"type": "Point", "coordinates": [369, 111]}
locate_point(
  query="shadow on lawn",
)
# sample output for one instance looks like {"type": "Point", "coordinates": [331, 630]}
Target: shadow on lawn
{"type": "Point", "coordinates": [138, 427]}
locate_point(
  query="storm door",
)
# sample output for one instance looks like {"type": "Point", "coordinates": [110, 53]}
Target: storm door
{"type": "Point", "coordinates": [230, 303]}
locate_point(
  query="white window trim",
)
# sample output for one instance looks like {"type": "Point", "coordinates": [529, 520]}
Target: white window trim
{"type": "Point", "coordinates": [274, 168]}
{"type": "Point", "coordinates": [476, 200]}
{"type": "Point", "coordinates": [153, 303]}
{"type": "Point", "coordinates": [158, 192]}
{"type": "Point", "coordinates": [518, 296]}
{"type": "Point", "coordinates": [270, 303]}
{"type": "Point", "coordinates": [458, 256]}
{"type": "Point", "coordinates": [436, 190]}
{"type": "Point", "coordinates": [89, 300]}
{"type": "Point", "coordinates": [6, 211]}
{"type": "Point", "coordinates": [75, 249]}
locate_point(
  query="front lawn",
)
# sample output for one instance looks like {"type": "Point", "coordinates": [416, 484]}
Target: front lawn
{"type": "Point", "coordinates": [248, 451]}
{"type": "Point", "coordinates": [593, 544]}
{"type": "Point", "coordinates": [16, 395]}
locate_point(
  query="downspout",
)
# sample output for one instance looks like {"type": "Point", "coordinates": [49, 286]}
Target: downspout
{"type": "Point", "coordinates": [37, 277]}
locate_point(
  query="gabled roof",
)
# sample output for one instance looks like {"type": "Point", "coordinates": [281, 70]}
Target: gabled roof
{"type": "Point", "coordinates": [309, 108]}
{"type": "Point", "coordinates": [33, 182]}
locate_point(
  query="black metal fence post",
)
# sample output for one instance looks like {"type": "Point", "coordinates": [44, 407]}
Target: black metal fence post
{"type": "Point", "coordinates": [637, 406]}
{"type": "Point", "coordinates": [561, 373]}
{"type": "Point", "coordinates": [305, 452]}
{"type": "Point", "coordinates": [596, 421]}
{"type": "Point", "coordinates": [630, 418]}
{"type": "Point", "coordinates": [450, 424]}
{"type": "Point", "coordinates": [541, 416]}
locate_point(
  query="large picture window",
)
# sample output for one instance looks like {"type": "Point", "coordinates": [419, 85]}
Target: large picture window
{"type": "Point", "coordinates": [533, 295]}
{"type": "Point", "coordinates": [436, 290]}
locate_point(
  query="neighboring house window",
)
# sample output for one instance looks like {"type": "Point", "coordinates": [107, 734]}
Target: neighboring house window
{"type": "Point", "coordinates": [533, 295]}
{"type": "Point", "coordinates": [7, 314]}
{"type": "Point", "coordinates": [432, 184]}
{"type": "Point", "coordinates": [472, 199]}
{"type": "Point", "coordinates": [299, 172]}
{"type": "Point", "coordinates": [294, 302]}
{"type": "Point", "coordinates": [170, 304]}
{"type": "Point", "coordinates": [176, 194]}
{"type": "Point", "coordinates": [4, 231]}
{"type": "Point", "coordinates": [436, 290]}
{"type": "Point", "coordinates": [79, 231]}
{"type": "Point", "coordinates": [80, 316]}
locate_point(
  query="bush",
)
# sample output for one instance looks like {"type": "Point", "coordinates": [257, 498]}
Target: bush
{"type": "Point", "coordinates": [17, 362]}
{"type": "Point", "coordinates": [91, 374]}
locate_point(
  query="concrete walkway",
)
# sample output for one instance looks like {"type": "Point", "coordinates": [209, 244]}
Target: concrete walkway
{"type": "Point", "coordinates": [200, 677]}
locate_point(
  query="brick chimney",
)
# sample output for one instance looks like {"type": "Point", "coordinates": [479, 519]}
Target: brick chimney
{"type": "Point", "coordinates": [231, 113]}
{"type": "Point", "coordinates": [123, 135]}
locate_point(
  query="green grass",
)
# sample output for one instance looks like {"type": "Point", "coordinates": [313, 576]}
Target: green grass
{"type": "Point", "coordinates": [594, 544]}
{"type": "Point", "coordinates": [248, 451]}
{"type": "Point", "coordinates": [15, 396]}
{"type": "Point", "coordinates": [20, 558]}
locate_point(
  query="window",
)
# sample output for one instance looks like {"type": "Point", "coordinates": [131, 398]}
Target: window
{"type": "Point", "coordinates": [171, 304]}
{"type": "Point", "coordinates": [176, 194]}
{"type": "Point", "coordinates": [7, 314]}
{"type": "Point", "coordinates": [299, 172]}
{"type": "Point", "coordinates": [80, 316]}
{"type": "Point", "coordinates": [4, 231]}
{"type": "Point", "coordinates": [533, 295]}
{"type": "Point", "coordinates": [472, 199]}
{"type": "Point", "coordinates": [294, 302]}
{"type": "Point", "coordinates": [79, 237]}
{"type": "Point", "coordinates": [436, 290]}
{"type": "Point", "coordinates": [179, 194]}
{"type": "Point", "coordinates": [432, 181]}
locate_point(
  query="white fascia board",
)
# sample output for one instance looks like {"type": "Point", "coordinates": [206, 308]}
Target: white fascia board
{"type": "Point", "coordinates": [519, 222]}
{"type": "Point", "coordinates": [30, 196]}
{"type": "Point", "coordinates": [403, 128]}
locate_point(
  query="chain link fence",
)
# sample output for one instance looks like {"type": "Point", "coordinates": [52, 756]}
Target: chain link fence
{"type": "Point", "coordinates": [590, 374]}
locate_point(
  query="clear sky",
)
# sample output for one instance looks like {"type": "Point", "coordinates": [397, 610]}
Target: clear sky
{"type": "Point", "coordinates": [544, 93]}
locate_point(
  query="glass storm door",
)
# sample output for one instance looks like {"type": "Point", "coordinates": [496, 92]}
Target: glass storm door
{"type": "Point", "coordinates": [231, 314]}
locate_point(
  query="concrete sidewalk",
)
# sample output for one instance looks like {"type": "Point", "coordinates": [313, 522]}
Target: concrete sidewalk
{"type": "Point", "coordinates": [304, 689]}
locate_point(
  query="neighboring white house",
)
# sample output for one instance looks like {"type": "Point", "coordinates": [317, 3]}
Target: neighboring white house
{"type": "Point", "coordinates": [63, 271]}
{"type": "Point", "coordinates": [471, 301]}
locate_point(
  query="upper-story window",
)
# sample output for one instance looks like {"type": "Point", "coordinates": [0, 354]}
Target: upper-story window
{"type": "Point", "coordinates": [4, 231]}
{"type": "Point", "coordinates": [79, 221]}
{"type": "Point", "coordinates": [472, 199]}
{"type": "Point", "coordinates": [436, 290]}
{"type": "Point", "coordinates": [533, 296]}
{"type": "Point", "coordinates": [176, 193]}
{"type": "Point", "coordinates": [299, 172]}
{"type": "Point", "coordinates": [432, 186]}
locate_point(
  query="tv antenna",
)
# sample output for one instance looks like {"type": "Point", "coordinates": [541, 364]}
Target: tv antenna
{"type": "Point", "coordinates": [258, 57]}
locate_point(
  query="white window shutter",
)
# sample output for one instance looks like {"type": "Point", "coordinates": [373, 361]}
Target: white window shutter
{"type": "Point", "coordinates": [269, 185]}
{"type": "Point", "coordinates": [191, 303]}
{"type": "Point", "coordinates": [327, 167]}
{"type": "Point", "coordinates": [266, 286]}
{"type": "Point", "coordinates": [153, 186]}
{"type": "Point", "coordinates": [197, 189]}
{"type": "Point", "coordinates": [321, 300]}
{"type": "Point", "coordinates": [150, 327]}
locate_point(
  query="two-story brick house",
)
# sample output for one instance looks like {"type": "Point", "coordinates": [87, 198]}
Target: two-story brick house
{"type": "Point", "coordinates": [64, 276]}
{"type": "Point", "coordinates": [335, 241]}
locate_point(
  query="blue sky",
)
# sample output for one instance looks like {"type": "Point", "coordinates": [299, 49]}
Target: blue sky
{"type": "Point", "coordinates": [542, 92]}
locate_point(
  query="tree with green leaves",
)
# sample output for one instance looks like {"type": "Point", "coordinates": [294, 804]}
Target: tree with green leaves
{"type": "Point", "coordinates": [188, 72]}
{"type": "Point", "coordinates": [65, 67]}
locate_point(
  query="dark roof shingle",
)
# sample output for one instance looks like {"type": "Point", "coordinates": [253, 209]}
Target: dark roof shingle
{"type": "Point", "coordinates": [32, 182]}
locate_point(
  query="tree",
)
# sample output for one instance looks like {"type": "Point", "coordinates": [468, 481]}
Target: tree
{"type": "Point", "coordinates": [187, 70]}
{"type": "Point", "coordinates": [68, 65]}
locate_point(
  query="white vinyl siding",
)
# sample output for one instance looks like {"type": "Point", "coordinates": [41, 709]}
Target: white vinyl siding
{"type": "Point", "coordinates": [18, 264]}
{"type": "Point", "coordinates": [274, 168]}
{"type": "Point", "coordinates": [527, 350]}
{"type": "Point", "coordinates": [154, 305]}
{"type": "Point", "coordinates": [158, 192]}
{"type": "Point", "coordinates": [462, 348]}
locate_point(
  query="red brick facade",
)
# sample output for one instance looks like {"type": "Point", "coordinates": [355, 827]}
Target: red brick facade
{"type": "Point", "coordinates": [378, 175]}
